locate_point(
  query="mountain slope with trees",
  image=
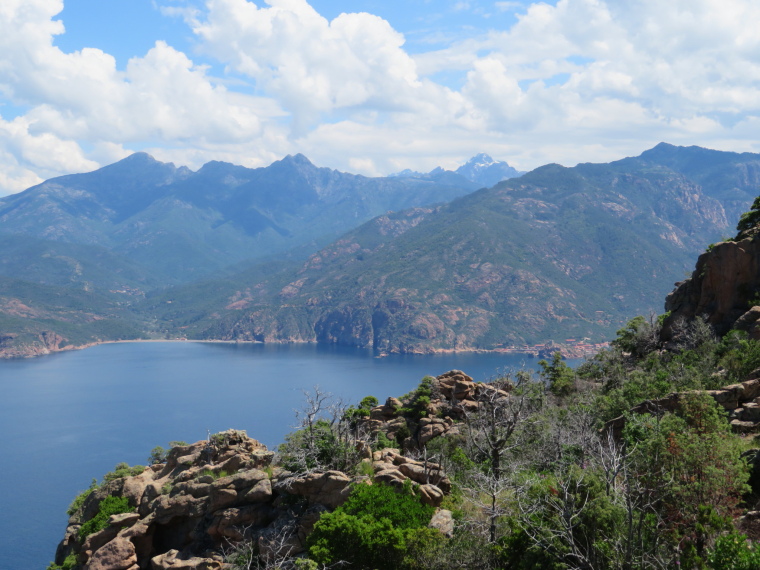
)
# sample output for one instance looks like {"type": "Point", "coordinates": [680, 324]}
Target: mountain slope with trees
{"type": "Point", "coordinates": [557, 253]}
{"type": "Point", "coordinates": [224, 252]}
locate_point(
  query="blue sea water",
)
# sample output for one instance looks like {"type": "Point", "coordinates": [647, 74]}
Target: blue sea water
{"type": "Point", "coordinates": [69, 417]}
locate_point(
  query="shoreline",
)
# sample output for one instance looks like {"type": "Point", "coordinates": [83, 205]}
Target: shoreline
{"type": "Point", "coordinates": [529, 351]}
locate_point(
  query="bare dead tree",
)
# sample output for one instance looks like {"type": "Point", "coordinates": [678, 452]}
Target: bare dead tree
{"type": "Point", "coordinates": [276, 550]}
{"type": "Point", "coordinates": [494, 433]}
{"type": "Point", "coordinates": [326, 436]}
{"type": "Point", "coordinates": [490, 429]}
{"type": "Point", "coordinates": [555, 520]}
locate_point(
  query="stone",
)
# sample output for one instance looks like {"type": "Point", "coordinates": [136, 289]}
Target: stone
{"type": "Point", "coordinates": [124, 519]}
{"type": "Point", "coordinates": [378, 466]}
{"type": "Point", "coordinates": [421, 473]}
{"type": "Point", "coordinates": [259, 493]}
{"type": "Point", "coordinates": [134, 487]}
{"type": "Point", "coordinates": [118, 554]}
{"type": "Point", "coordinates": [167, 508]}
{"type": "Point", "coordinates": [231, 523]}
{"type": "Point", "coordinates": [430, 495]}
{"type": "Point", "coordinates": [738, 426]}
{"type": "Point", "coordinates": [221, 498]}
{"type": "Point", "coordinates": [431, 428]}
{"type": "Point", "coordinates": [749, 413]}
{"type": "Point", "coordinates": [750, 389]}
{"type": "Point", "coordinates": [172, 560]}
{"type": "Point", "coordinates": [330, 488]}
{"type": "Point", "coordinates": [727, 397]}
{"type": "Point", "coordinates": [98, 539]}
{"type": "Point", "coordinates": [720, 288]}
{"type": "Point", "coordinates": [391, 477]}
{"type": "Point", "coordinates": [393, 403]}
{"type": "Point", "coordinates": [443, 520]}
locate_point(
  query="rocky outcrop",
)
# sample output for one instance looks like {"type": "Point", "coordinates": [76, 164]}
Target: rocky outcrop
{"type": "Point", "coordinates": [454, 395]}
{"type": "Point", "coordinates": [46, 342]}
{"type": "Point", "coordinates": [212, 495]}
{"type": "Point", "coordinates": [724, 289]}
{"type": "Point", "coordinates": [741, 402]}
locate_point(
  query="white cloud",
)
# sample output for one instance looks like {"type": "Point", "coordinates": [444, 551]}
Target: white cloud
{"type": "Point", "coordinates": [81, 97]}
{"type": "Point", "coordinates": [49, 156]}
{"type": "Point", "coordinates": [312, 65]}
{"type": "Point", "coordinates": [582, 80]}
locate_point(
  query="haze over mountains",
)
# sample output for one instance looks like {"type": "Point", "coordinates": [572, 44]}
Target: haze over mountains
{"type": "Point", "coordinates": [557, 252]}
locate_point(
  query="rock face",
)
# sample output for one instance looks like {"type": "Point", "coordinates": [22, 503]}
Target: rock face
{"type": "Point", "coordinates": [724, 289]}
{"type": "Point", "coordinates": [213, 494]}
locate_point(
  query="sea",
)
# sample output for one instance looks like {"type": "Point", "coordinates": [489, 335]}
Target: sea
{"type": "Point", "coordinates": [70, 417]}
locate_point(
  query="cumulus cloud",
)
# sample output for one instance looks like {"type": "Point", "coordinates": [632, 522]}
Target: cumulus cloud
{"type": "Point", "coordinates": [314, 66]}
{"type": "Point", "coordinates": [574, 81]}
{"type": "Point", "coordinates": [82, 97]}
{"type": "Point", "coordinates": [28, 159]}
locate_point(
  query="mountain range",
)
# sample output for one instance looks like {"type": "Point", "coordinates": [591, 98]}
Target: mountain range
{"type": "Point", "coordinates": [481, 170]}
{"type": "Point", "coordinates": [419, 263]}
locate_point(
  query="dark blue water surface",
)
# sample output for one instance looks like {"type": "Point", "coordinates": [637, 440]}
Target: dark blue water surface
{"type": "Point", "coordinates": [67, 418]}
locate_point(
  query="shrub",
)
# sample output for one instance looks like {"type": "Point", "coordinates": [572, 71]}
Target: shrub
{"type": "Point", "coordinates": [751, 218]}
{"type": "Point", "coordinates": [558, 375]}
{"type": "Point", "coordinates": [383, 442]}
{"type": "Point", "coordinates": [375, 528]}
{"type": "Point", "coordinates": [68, 563]}
{"type": "Point", "coordinates": [417, 401]}
{"type": "Point", "coordinates": [733, 551]}
{"type": "Point", "coordinates": [401, 508]}
{"type": "Point", "coordinates": [123, 470]}
{"type": "Point", "coordinates": [157, 455]}
{"type": "Point", "coordinates": [213, 474]}
{"type": "Point", "coordinates": [109, 506]}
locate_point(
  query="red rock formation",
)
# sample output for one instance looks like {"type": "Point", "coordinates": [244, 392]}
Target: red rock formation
{"type": "Point", "coordinates": [724, 289]}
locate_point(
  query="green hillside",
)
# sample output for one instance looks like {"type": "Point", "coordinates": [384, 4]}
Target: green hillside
{"type": "Point", "coordinates": [558, 253]}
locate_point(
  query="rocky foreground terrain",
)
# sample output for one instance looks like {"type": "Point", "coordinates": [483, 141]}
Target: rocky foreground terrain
{"type": "Point", "coordinates": [209, 496]}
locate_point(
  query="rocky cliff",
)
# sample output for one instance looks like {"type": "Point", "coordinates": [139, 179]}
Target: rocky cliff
{"type": "Point", "coordinates": [206, 499]}
{"type": "Point", "coordinates": [209, 496]}
{"type": "Point", "coordinates": [724, 289]}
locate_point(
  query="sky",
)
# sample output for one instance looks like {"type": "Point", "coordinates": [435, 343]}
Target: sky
{"type": "Point", "coordinates": [370, 86]}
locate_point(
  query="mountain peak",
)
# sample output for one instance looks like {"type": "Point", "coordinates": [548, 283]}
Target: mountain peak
{"type": "Point", "coordinates": [481, 159]}
{"type": "Point", "coordinates": [138, 158]}
{"type": "Point", "coordinates": [486, 171]}
{"type": "Point", "coordinates": [297, 159]}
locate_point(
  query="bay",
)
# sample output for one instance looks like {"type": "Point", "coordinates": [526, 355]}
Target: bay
{"type": "Point", "coordinates": [67, 418]}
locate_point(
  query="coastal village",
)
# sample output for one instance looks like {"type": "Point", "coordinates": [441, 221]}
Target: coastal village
{"type": "Point", "coordinates": [570, 348]}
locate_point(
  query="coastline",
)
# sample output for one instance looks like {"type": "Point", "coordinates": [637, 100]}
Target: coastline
{"type": "Point", "coordinates": [578, 350]}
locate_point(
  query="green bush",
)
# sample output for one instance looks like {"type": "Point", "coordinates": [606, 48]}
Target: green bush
{"type": "Point", "coordinates": [751, 218]}
{"type": "Point", "coordinates": [558, 375]}
{"type": "Point", "coordinates": [383, 442]}
{"type": "Point", "coordinates": [123, 470]}
{"type": "Point", "coordinates": [109, 506]}
{"type": "Point", "coordinates": [213, 474]}
{"type": "Point", "coordinates": [418, 400]}
{"type": "Point", "coordinates": [157, 455]}
{"type": "Point", "coordinates": [733, 551]}
{"type": "Point", "coordinates": [309, 449]}
{"type": "Point", "coordinates": [68, 563]}
{"type": "Point", "coordinates": [377, 527]}
{"type": "Point", "coordinates": [401, 507]}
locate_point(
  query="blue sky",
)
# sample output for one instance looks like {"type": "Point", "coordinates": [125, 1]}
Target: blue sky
{"type": "Point", "coordinates": [370, 86]}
